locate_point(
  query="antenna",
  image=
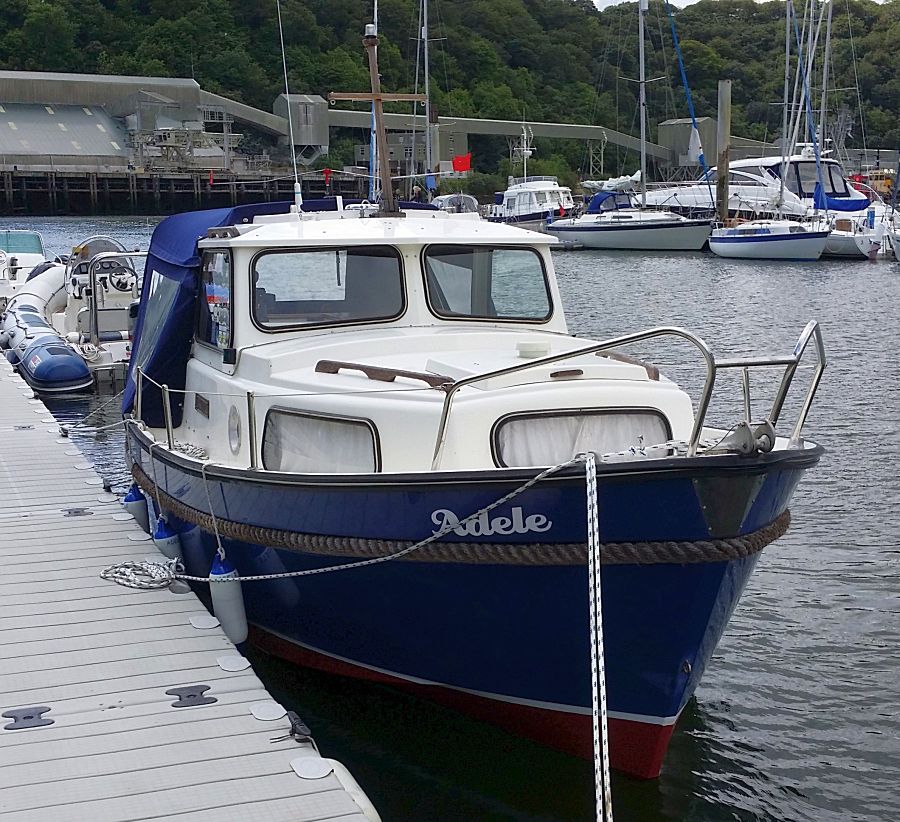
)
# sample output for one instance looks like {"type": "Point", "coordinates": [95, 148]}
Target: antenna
{"type": "Point", "coordinates": [298, 194]}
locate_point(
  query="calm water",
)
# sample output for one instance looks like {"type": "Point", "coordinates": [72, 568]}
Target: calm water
{"type": "Point", "coordinates": [797, 716]}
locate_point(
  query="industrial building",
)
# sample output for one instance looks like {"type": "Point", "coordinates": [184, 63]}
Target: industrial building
{"type": "Point", "coordinates": [80, 143]}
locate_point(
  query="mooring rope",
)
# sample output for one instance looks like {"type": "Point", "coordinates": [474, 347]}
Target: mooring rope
{"type": "Point", "coordinates": [602, 788]}
{"type": "Point", "coordinates": [64, 429]}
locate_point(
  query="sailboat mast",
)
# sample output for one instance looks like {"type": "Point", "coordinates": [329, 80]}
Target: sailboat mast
{"type": "Point", "coordinates": [825, 62]}
{"type": "Point", "coordinates": [373, 142]}
{"type": "Point", "coordinates": [428, 136]}
{"type": "Point", "coordinates": [642, 10]}
{"type": "Point", "coordinates": [784, 121]}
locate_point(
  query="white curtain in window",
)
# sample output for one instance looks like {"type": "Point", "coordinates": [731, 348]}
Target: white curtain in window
{"type": "Point", "coordinates": [551, 439]}
{"type": "Point", "coordinates": [302, 444]}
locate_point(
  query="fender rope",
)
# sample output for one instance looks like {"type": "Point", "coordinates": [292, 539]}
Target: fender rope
{"type": "Point", "coordinates": [575, 553]}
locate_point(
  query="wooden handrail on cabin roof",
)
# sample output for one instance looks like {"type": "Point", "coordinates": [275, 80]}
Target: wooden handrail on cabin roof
{"type": "Point", "coordinates": [382, 374]}
{"type": "Point", "coordinates": [652, 370]}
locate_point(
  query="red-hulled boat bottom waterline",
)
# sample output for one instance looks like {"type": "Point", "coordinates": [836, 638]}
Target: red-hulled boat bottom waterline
{"type": "Point", "coordinates": [637, 746]}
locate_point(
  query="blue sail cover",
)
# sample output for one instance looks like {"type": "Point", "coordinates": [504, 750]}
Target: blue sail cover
{"type": "Point", "coordinates": [166, 316]}
{"type": "Point", "coordinates": [838, 203]}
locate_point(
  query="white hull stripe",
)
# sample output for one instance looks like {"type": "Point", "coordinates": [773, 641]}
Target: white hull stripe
{"type": "Point", "coordinates": [511, 700]}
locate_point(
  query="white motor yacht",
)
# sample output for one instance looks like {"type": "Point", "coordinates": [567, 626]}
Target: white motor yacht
{"type": "Point", "coordinates": [530, 202]}
{"type": "Point", "coordinates": [755, 188]}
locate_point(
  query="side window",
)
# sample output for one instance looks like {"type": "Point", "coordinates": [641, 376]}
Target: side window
{"type": "Point", "coordinates": [214, 318]}
{"type": "Point", "coordinates": [306, 443]}
{"type": "Point", "coordinates": [548, 439]}
{"type": "Point", "coordinates": [838, 183]}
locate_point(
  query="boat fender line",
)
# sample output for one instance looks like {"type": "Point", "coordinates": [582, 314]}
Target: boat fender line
{"type": "Point", "coordinates": [228, 600]}
{"type": "Point", "coordinates": [614, 553]}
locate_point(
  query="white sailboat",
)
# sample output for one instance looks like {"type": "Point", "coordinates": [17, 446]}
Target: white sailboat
{"type": "Point", "coordinates": [761, 185]}
{"type": "Point", "coordinates": [780, 238]}
{"type": "Point", "coordinates": [615, 221]}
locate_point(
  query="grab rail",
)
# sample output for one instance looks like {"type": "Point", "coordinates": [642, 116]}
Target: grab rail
{"type": "Point", "coordinates": [790, 363]}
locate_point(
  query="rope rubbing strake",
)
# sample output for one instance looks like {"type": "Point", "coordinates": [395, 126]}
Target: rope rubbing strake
{"type": "Point", "coordinates": [614, 553]}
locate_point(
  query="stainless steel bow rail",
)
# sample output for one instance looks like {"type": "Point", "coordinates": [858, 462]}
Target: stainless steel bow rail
{"type": "Point", "coordinates": [790, 363]}
{"type": "Point", "coordinates": [712, 366]}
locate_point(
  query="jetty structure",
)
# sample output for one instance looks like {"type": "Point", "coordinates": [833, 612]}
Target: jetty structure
{"type": "Point", "coordinates": [87, 144]}
{"type": "Point", "coordinates": [119, 704]}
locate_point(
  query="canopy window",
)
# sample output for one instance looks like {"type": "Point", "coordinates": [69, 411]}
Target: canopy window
{"type": "Point", "coordinates": [482, 282]}
{"type": "Point", "coordinates": [309, 444]}
{"type": "Point", "coordinates": [330, 286]}
{"type": "Point", "coordinates": [549, 439]}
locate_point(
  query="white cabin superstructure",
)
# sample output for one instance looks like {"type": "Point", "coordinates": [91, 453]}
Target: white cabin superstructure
{"type": "Point", "coordinates": [347, 330]}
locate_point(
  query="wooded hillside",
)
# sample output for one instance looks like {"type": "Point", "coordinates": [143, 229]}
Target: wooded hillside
{"type": "Point", "coordinates": [556, 60]}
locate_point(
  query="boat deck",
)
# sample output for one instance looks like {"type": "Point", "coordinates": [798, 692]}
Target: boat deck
{"type": "Point", "coordinates": [89, 731]}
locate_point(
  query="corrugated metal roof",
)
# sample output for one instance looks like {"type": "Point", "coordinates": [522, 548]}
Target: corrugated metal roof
{"type": "Point", "coordinates": [33, 129]}
{"type": "Point", "coordinates": [48, 87]}
{"type": "Point", "coordinates": [109, 79]}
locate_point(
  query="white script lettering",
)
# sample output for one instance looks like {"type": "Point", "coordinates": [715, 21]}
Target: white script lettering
{"type": "Point", "coordinates": [481, 526]}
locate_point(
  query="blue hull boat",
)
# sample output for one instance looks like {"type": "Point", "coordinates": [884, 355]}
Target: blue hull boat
{"type": "Point", "coordinates": [352, 408]}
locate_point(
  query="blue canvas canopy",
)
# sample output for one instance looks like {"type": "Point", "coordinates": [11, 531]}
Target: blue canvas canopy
{"type": "Point", "coordinates": [838, 203]}
{"type": "Point", "coordinates": [608, 201]}
{"type": "Point", "coordinates": [165, 324]}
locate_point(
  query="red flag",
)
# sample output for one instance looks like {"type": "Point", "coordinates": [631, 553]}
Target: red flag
{"type": "Point", "coordinates": [462, 162]}
{"type": "Point", "coordinates": [562, 212]}
{"type": "Point", "coordinates": [210, 177]}
{"type": "Point", "coordinates": [327, 173]}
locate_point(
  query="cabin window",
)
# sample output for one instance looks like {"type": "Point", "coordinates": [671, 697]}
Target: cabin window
{"type": "Point", "coordinates": [326, 286]}
{"type": "Point", "coordinates": [214, 317]}
{"type": "Point", "coordinates": [808, 178]}
{"type": "Point", "coordinates": [838, 183]}
{"type": "Point", "coordinates": [310, 444]}
{"type": "Point", "coordinates": [486, 283]}
{"type": "Point", "coordinates": [549, 439]}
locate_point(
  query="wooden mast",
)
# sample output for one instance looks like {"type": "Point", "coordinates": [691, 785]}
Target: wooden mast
{"type": "Point", "coordinates": [389, 207]}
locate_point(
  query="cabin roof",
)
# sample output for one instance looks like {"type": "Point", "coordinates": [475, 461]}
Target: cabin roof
{"type": "Point", "coordinates": [349, 228]}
